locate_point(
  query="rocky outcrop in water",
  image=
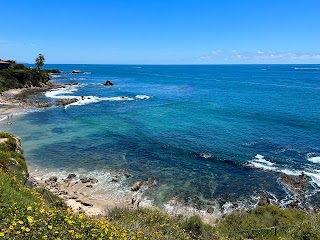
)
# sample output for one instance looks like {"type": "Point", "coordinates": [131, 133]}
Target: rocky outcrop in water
{"type": "Point", "coordinates": [136, 186]}
{"type": "Point", "coordinates": [264, 200]}
{"type": "Point", "coordinates": [108, 83]}
{"type": "Point", "coordinates": [66, 101]}
{"type": "Point", "coordinates": [297, 185]}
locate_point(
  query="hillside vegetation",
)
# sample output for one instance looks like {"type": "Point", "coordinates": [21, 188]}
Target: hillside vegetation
{"type": "Point", "coordinates": [27, 213]}
{"type": "Point", "coordinates": [19, 76]}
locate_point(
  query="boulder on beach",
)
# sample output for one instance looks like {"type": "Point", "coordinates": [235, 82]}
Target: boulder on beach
{"type": "Point", "coordinates": [52, 179]}
{"type": "Point", "coordinates": [115, 179]}
{"type": "Point", "coordinates": [71, 175]}
{"type": "Point", "coordinates": [93, 180]}
{"type": "Point", "coordinates": [136, 186]}
{"type": "Point", "coordinates": [210, 210]}
{"type": "Point", "coordinates": [85, 180]}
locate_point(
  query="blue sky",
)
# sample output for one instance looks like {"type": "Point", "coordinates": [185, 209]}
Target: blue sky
{"type": "Point", "coordinates": [161, 32]}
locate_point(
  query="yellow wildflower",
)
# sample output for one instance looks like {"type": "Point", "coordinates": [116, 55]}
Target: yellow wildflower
{"type": "Point", "coordinates": [41, 210]}
{"type": "Point", "coordinates": [21, 222]}
{"type": "Point", "coordinates": [71, 231]}
{"type": "Point", "coordinates": [29, 208]}
{"type": "Point", "coordinates": [11, 227]}
{"type": "Point", "coordinates": [27, 229]}
{"type": "Point", "coordinates": [30, 219]}
{"type": "Point", "coordinates": [50, 227]}
{"type": "Point", "coordinates": [1, 234]}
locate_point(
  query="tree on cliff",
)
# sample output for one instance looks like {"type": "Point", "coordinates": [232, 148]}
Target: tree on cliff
{"type": "Point", "coordinates": [40, 61]}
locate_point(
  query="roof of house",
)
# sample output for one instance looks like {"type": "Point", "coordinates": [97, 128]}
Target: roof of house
{"type": "Point", "coordinates": [5, 62]}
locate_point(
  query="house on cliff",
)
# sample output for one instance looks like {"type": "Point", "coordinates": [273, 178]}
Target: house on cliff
{"type": "Point", "coordinates": [4, 64]}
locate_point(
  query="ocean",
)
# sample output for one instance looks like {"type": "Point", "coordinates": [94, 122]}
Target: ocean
{"type": "Point", "coordinates": [205, 133]}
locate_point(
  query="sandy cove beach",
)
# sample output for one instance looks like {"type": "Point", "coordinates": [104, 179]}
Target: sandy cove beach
{"type": "Point", "coordinates": [9, 105]}
{"type": "Point", "coordinates": [82, 194]}
{"type": "Point", "coordinates": [15, 101]}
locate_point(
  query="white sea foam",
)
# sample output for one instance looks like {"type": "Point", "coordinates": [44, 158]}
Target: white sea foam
{"type": "Point", "coordinates": [315, 178]}
{"type": "Point", "coordinates": [142, 97]}
{"type": "Point", "coordinates": [122, 98]}
{"type": "Point", "coordinates": [314, 159]}
{"type": "Point", "coordinates": [83, 101]}
{"type": "Point", "coordinates": [93, 99]}
{"type": "Point", "coordinates": [260, 162]}
{"type": "Point", "coordinates": [205, 155]}
{"type": "Point", "coordinates": [260, 158]}
{"type": "Point", "coordinates": [55, 75]}
{"type": "Point", "coordinates": [64, 93]}
{"type": "Point", "coordinates": [60, 92]}
{"type": "Point", "coordinates": [306, 68]}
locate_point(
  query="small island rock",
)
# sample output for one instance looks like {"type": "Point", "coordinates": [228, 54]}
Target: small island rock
{"type": "Point", "coordinates": [108, 83]}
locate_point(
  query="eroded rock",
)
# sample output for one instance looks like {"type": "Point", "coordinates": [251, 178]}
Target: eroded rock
{"type": "Point", "coordinates": [108, 83]}
{"type": "Point", "coordinates": [264, 200]}
{"type": "Point", "coordinates": [210, 210]}
{"type": "Point", "coordinates": [298, 184]}
{"type": "Point", "coordinates": [71, 175]}
{"type": "Point", "coordinates": [93, 180]}
{"type": "Point", "coordinates": [136, 186]}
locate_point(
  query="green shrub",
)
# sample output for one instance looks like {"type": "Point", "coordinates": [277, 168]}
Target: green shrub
{"type": "Point", "coordinates": [193, 225]}
{"type": "Point", "coordinates": [306, 230]}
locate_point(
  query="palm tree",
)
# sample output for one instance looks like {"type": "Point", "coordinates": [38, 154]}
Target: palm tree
{"type": "Point", "coordinates": [40, 61]}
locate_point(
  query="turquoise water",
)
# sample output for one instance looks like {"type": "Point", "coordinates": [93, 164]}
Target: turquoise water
{"type": "Point", "coordinates": [203, 132]}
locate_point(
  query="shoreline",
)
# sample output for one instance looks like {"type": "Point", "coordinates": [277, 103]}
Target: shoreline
{"type": "Point", "coordinates": [95, 194]}
{"type": "Point", "coordinates": [15, 101]}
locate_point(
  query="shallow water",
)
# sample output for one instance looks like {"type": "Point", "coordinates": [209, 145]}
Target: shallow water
{"type": "Point", "coordinates": [203, 132]}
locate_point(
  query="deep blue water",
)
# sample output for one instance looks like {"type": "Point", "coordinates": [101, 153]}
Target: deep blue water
{"type": "Point", "coordinates": [207, 132]}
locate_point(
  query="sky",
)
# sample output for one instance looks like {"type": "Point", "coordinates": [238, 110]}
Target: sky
{"type": "Point", "coordinates": [161, 31]}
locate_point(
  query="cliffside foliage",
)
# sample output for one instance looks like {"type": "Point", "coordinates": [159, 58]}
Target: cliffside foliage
{"type": "Point", "coordinates": [18, 76]}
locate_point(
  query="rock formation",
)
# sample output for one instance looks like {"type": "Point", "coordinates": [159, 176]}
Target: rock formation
{"type": "Point", "coordinates": [297, 185]}
{"type": "Point", "coordinates": [66, 101]}
{"type": "Point", "coordinates": [108, 83]}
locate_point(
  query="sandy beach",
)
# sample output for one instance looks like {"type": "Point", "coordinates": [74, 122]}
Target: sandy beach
{"type": "Point", "coordinates": [9, 105]}
{"type": "Point", "coordinates": [96, 196]}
